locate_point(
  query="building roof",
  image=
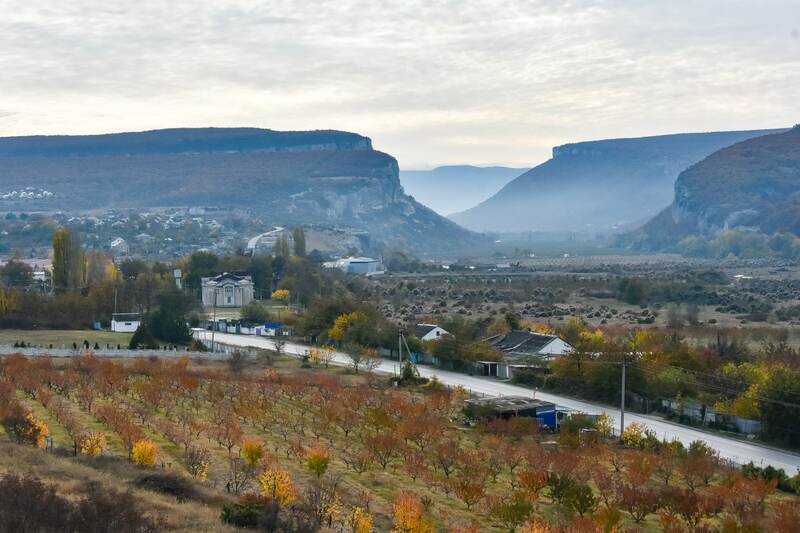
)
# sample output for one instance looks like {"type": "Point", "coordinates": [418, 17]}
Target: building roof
{"type": "Point", "coordinates": [511, 404]}
{"type": "Point", "coordinates": [420, 330]}
{"type": "Point", "coordinates": [521, 341]}
{"type": "Point", "coordinates": [236, 277]}
{"type": "Point", "coordinates": [126, 317]}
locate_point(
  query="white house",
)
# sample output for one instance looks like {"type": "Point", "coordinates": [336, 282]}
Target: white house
{"type": "Point", "coordinates": [227, 290]}
{"type": "Point", "coordinates": [429, 332]}
{"type": "Point", "coordinates": [125, 322]}
{"type": "Point", "coordinates": [524, 349]}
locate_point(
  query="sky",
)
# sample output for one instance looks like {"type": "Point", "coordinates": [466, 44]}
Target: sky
{"type": "Point", "coordinates": [431, 82]}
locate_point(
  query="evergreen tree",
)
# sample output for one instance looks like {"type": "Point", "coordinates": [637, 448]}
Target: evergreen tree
{"type": "Point", "coordinates": [282, 247]}
{"type": "Point", "coordinates": [299, 236]}
{"type": "Point", "coordinates": [142, 338]}
{"type": "Point", "coordinates": [68, 261]}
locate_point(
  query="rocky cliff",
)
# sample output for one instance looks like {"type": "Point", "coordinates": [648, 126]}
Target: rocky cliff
{"type": "Point", "coordinates": [597, 186]}
{"type": "Point", "coordinates": [289, 177]}
{"type": "Point", "coordinates": [753, 185]}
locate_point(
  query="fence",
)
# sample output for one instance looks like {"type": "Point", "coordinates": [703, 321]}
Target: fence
{"type": "Point", "coordinates": [105, 352]}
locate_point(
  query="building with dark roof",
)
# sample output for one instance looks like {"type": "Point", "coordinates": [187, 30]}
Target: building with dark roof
{"type": "Point", "coordinates": [429, 332]}
{"type": "Point", "coordinates": [510, 406]}
{"type": "Point", "coordinates": [523, 348]}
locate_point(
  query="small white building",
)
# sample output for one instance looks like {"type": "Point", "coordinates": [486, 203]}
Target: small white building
{"type": "Point", "coordinates": [429, 332]}
{"type": "Point", "coordinates": [227, 290]}
{"type": "Point", "coordinates": [365, 266]}
{"type": "Point", "coordinates": [125, 322]}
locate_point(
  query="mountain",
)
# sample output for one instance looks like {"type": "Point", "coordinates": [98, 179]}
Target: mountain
{"type": "Point", "coordinates": [329, 177]}
{"type": "Point", "coordinates": [449, 189]}
{"type": "Point", "coordinates": [753, 185]}
{"type": "Point", "coordinates": [597, 186]}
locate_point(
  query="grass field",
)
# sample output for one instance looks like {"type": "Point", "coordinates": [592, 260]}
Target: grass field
{"type": "Point", "coordinates": [59, 338]}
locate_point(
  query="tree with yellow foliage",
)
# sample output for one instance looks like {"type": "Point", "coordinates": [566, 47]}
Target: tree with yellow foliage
{"type": "Point", "coordinates": [24, 427]}
{"type": "Point", "coordinates": [145, 453]}
{"type": "Point", "coordinates": [343, 323]}
{"type": "Point", "coordinates": [93, 444]}
{"type": "Point", "coordinates": [359, 521]}
{"type": "Point", "coordinates": [8, 302]}
{"type": "Point", "coordinates": [322, 355]}
{"type": "Point", "coordinates": [277, 485]}
{"type": "Point", "coordinates": [282, 295]}
{"type": "Point", "coordinates": [409, 515]}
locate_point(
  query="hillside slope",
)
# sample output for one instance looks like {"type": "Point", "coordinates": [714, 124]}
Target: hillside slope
{"type": "Point", "coordinates": [290, 177]}
{"type": "Point", "coordinates": [449, 189]}
{"type": "Point", "coordinates": [753, 185]}
{"type": "Point", "coordinates": [597, 186]}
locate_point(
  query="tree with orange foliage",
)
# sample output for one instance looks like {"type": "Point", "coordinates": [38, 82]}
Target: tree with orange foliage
{"type": "Point", "coordinates": [409, 515]}
{"type": "Point", "coordinates": [470, 488]}
{"type": "Point", "coordinates": [228, 431]}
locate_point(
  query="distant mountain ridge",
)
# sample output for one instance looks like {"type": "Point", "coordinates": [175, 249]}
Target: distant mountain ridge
{"type": "Point", "coordinates": [753, 186]}
{"type": "Point", "coordinates": [290, 177]}
{"type": "Point", "coordinates": [183, 141]}
{"type": "Point", "coordinates": [451, 188]}
{"type": "Point", "coordinates": [597, 186]}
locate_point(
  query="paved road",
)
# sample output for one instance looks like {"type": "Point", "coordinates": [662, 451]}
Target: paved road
{"type": "Point", "coordinates": [739, 451]}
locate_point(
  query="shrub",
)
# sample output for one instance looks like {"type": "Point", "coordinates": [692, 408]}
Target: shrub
{"type": "Point", "coordinates": [93, 444]}
{"type": "Point", "coordinates": [28, 505]}
{"type": "Point", "coordinates": [246, 515]}
{"type": "Point", "coordinates": [145, 453]}
{"type": "Point", "coordinates": [24, 427]}
{"type": "Point", "coordinates": [181, 488]}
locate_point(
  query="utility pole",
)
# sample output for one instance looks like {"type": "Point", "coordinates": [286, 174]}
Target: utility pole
{"type": "Point", "coordinates": [400, 348]}
{"type": "Point", "coordinates": [214, 321]}
{"type": "Point", "coordinates": [622, 400]}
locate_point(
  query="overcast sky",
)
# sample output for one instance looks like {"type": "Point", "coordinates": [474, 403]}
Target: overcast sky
{"type": "Point", "coordinates": [431, 82]}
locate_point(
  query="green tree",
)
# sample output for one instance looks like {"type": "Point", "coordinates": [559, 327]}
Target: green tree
{"type": "Point", "coordinates": [199, 265]}
{"type": "Point", "coordinates": [16, 274]}
{"type": "Point", "coordinates": [299, 236]}
{"type": "Point", "coordinates": [282, 248]}
{"type": "Point", "coordinates": [142, 338]}
{"type": "Point", "coordinates": [68, 261]}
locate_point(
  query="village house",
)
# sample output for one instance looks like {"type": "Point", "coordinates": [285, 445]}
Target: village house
{"type": "Point", "coordinates": [523, 349]}
{"type": "Point", "coordinates": [227, 290]}
{"type": "Point", "coordinates": [429, 332]}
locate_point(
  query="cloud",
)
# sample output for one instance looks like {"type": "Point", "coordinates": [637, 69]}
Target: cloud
{"type": "Point", "coordinates": [430, 82]}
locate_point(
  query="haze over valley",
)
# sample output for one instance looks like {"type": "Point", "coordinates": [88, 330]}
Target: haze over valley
{"type": "Point", "coordinates": [514, 266]}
